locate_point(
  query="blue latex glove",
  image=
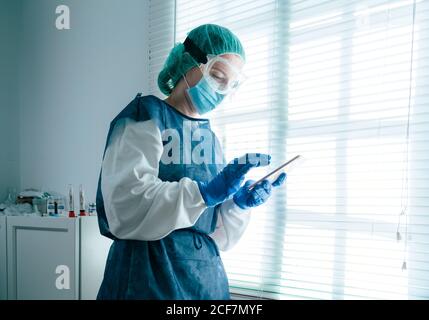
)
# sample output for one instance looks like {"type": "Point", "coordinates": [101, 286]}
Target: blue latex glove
{"type": "Point", "coordinates": [228, 181]}
{"type": "Point", "coordinates": [245, 198]}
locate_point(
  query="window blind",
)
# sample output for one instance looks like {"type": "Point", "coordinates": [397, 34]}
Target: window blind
{"type": "Point", "coordinates": [345, 84]}
{"type": "Point", "coordinates": [161, 39]}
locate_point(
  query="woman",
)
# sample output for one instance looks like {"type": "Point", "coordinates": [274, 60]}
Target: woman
{"type": "Point", "coordinates": [167, 211]}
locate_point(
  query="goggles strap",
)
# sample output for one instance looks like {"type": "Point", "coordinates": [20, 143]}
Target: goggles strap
{"type": "Point", "coordinates": [195, 51]}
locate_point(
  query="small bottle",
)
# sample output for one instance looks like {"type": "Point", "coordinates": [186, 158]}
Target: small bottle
{"type": "Point", "coordinates": [92, 209]}
{"type": "Point", "coordinates": [50, 207]}
{"type": "Point", "coordinates": [81, 202]}
{"type": "Point", "coordinates": [11, 197]}
{"type": "Point", "coordinates": [56, 207]}
{"type": "Point", "coordinates": [71, 202]}
{"type": "Point", "coordinates": [61, 206]}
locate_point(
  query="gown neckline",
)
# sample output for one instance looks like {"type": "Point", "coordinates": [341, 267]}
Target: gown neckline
{"type": "Point", "coordinates": [180, 113]}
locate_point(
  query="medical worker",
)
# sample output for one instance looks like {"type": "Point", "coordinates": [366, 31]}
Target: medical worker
{"type": "Point", "coordinates": [168, 212]}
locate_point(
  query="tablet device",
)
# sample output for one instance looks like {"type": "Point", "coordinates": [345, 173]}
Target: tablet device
{"type": "Point", "coordinates": [276, 172]}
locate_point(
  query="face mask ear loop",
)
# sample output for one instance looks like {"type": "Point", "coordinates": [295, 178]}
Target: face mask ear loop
{"type": "Point", "coordinates": [184, 77]}
{"type": "Point", "coordinates": [188, 100]}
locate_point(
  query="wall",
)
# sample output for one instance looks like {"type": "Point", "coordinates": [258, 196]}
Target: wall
{"type": "Point", "coordinates": [73, 82]}
{"type": "Point", "coordinates": [9, 116]}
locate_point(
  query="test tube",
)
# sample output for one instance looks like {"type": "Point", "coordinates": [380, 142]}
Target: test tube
{"type": "Point", "coordinates": [71, 202]}
{"type": "Point", "coordinates": [81, 201]}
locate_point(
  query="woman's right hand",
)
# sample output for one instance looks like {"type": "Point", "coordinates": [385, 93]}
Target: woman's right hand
{"type": "Point", "coordinates": [229, 180]}
{"type": "Point", "coordinates": [247, 198]}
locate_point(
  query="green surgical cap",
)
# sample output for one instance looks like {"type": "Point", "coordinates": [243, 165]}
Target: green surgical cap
{"type": "Point", "coordinates": [208, 38]}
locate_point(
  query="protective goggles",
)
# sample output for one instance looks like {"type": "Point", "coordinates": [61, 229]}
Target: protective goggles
{"type": "Point", "coordinates": [222, 75]}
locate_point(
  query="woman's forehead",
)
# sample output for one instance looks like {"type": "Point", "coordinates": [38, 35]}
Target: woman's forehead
{"type": "Point", "coordinates": [236, 60]}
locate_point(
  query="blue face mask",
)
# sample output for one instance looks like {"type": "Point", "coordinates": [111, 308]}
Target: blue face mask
{"type": "Point", "coordinates": [203, 97]}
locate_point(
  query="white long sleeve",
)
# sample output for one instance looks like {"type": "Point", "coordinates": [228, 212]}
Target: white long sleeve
{"type": "Point", "coordinates": [138, 204]}
{"type": "Point", "coordinates": [231, 224]}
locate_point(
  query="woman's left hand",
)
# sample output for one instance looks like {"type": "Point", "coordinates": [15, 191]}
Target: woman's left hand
{"type": "Point", "coordinates": [245, 198]}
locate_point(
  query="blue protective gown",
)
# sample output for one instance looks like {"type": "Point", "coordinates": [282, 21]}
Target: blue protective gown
{"type": "Point", "coordinates": [186, 263]}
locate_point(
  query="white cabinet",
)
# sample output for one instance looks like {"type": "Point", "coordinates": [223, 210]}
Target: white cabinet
{"type": "Point", "coordinates": [42, 257]}
{"type": "Point", "coordinates": [3, 261]}
{"type": "Point", "coordinates": [54, 258]}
